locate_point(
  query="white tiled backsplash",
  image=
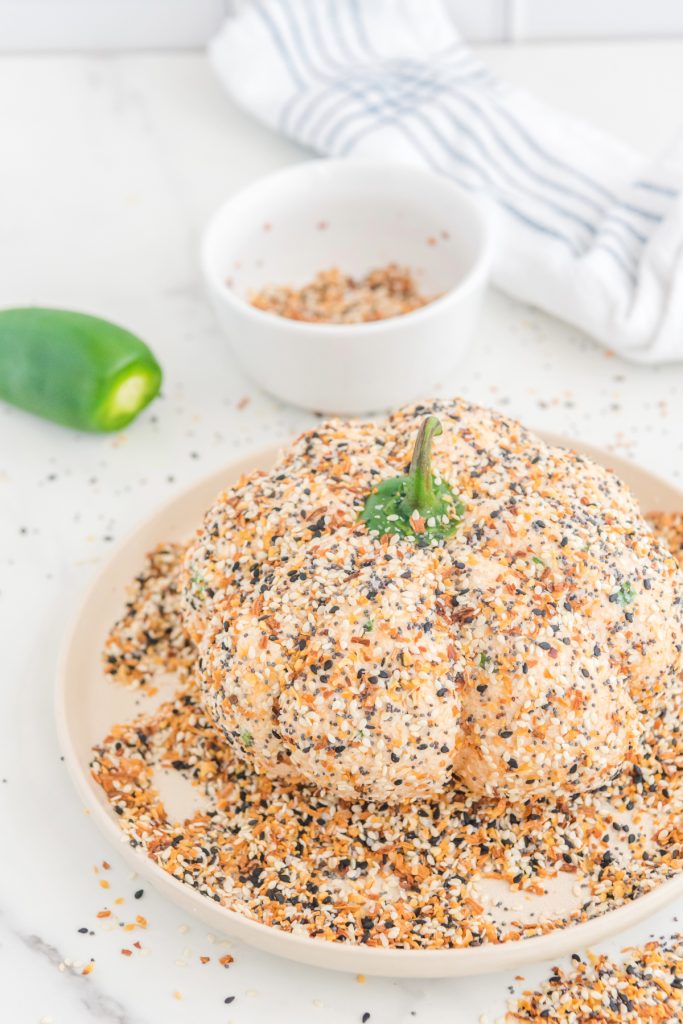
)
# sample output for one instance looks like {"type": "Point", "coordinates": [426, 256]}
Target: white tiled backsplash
{"type": "Point", "coordinates": [164, 24]}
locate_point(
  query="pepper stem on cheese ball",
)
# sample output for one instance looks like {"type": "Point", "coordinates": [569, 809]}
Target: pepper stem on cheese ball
{"type": "Point", "coordinates": [418, 503]}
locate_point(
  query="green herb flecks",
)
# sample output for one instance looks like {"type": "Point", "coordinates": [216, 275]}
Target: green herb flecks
{"type": "Point", "coordinates": [368, 626]}
{"type": "Point", "coordinates": [198, 584]}
{"type": "Point", "coordinates": [625, 594]}
{"type": "Point", "coordinates": [247, 738]}
{"type": "Point", "coordinates": [417, 504]}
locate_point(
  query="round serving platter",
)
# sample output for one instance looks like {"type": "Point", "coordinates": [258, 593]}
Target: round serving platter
{"type": "Point", "coordinates": [88, 705]}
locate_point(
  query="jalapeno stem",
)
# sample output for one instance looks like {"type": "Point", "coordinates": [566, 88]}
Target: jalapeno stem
{"type": "Point", "coordinates": [391, 506]}
{"type": "Point", "coordinates": [419, 485]}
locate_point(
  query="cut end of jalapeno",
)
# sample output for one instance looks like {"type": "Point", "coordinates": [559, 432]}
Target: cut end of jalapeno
{"type": "Point", "coordinates": [127, 396]}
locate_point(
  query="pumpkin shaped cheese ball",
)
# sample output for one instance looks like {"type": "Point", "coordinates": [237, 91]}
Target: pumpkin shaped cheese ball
{"type": "Point", "coordinates": [441, 599]}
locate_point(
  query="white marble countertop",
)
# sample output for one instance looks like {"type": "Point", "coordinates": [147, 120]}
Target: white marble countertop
{"type": "Point", "coordinates": [110, 166]}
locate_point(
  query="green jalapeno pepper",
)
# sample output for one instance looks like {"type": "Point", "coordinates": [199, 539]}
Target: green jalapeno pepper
{"type": "Point", "coordinates": [75, 369]}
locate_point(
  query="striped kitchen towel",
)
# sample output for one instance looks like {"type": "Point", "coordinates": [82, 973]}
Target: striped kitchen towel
{"type": "Point", "coordinates": [589, 230]}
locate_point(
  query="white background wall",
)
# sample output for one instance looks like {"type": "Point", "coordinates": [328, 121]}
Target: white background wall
{"type": "Point", "coordinates": [160, 24]}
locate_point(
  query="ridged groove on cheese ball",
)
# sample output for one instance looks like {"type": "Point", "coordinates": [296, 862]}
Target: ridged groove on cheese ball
{"type": "Point", "coordinates": [363, 708]}
{"type": "Point", "coordinates": [544, 707]}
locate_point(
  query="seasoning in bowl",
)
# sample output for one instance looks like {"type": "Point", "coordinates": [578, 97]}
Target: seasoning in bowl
{"type": "Point", "coordinates": [336, 298]}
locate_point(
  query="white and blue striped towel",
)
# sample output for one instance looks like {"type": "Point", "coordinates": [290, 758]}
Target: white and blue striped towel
{"type": "Point", "coordinates": [588, 229]}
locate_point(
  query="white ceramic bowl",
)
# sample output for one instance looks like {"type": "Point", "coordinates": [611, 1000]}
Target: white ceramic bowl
{"type": "Point", "coordinates": [355, 215]}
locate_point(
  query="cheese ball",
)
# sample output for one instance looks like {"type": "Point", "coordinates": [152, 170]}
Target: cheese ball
{"type": "Point", "coordinates": [517, 657]}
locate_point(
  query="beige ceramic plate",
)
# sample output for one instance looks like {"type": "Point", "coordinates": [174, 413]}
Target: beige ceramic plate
{"type": "Point", "coordinates": [87, 705]}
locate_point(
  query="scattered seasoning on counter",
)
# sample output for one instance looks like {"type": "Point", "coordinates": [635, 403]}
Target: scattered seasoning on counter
{"type": "Point", "coordinates": [336, 298]}
{"type": "Point", "coordinates": [646, 986]}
